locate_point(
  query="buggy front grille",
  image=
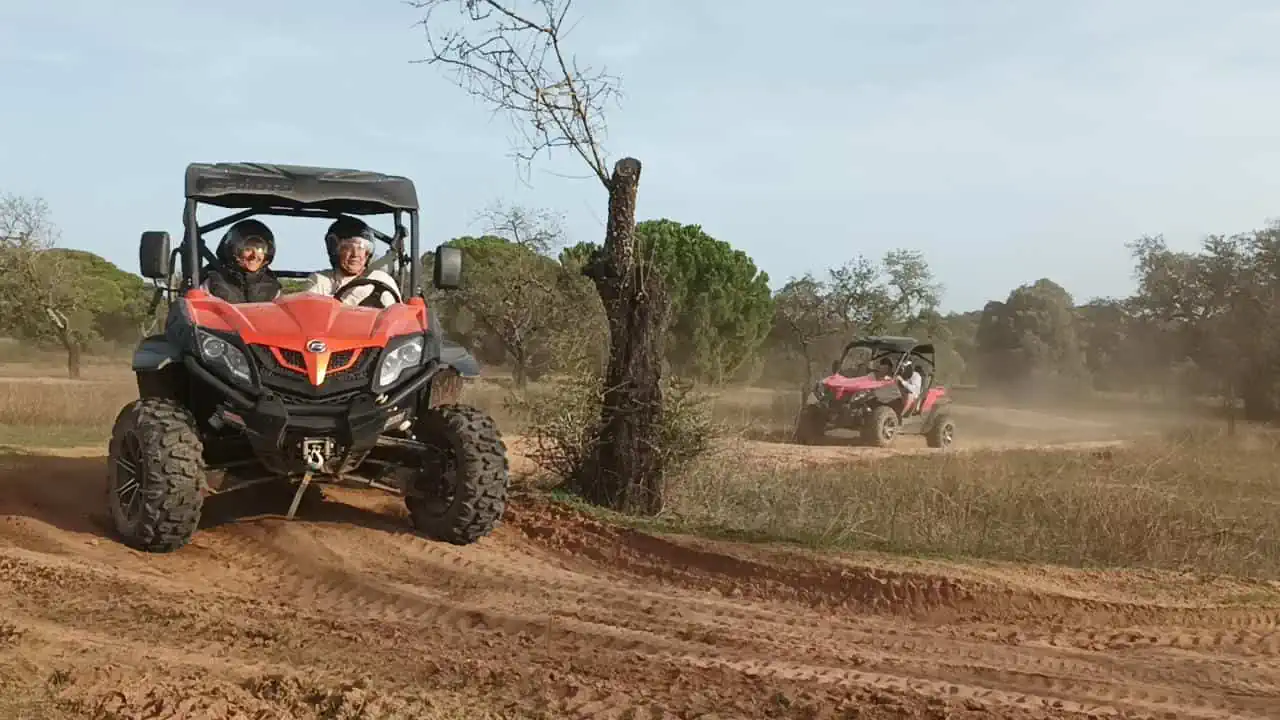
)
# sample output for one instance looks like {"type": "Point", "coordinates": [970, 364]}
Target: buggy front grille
{"type": "Point", "coordinates": [354, 363]}
{"type": "Point", "coordinates": [284, 371]}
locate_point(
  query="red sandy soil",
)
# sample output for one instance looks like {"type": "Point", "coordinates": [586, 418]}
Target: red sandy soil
{"type": "Point", "coordinates": [344, 614]}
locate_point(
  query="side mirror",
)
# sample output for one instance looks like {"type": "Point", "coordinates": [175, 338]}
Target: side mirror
{"type": "Point", "coordinates": [153, 255]}
{"type": "Point", "coordinates": [448, 269]}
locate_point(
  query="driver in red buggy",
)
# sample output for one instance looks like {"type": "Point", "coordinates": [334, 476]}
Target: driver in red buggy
{"type": "Point", "coordinates": [349, 242]}
{"type": "Point", "coordinates": [909, 381]}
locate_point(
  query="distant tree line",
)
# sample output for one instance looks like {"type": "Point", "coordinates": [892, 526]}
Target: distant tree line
{"type": "Point", "coordinates": [1199, 322]}
{"type": "Point", "coordinates": [61, 298]}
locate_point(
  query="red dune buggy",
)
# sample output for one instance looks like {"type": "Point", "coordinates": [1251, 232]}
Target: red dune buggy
{"type": "Point", "coordinates": [858, 397]}
{"type": "Point", "coordinates": [304, 388]}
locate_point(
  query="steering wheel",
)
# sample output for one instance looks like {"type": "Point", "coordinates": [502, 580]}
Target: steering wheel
{"type": "Point", "coordinates": [375, 296]}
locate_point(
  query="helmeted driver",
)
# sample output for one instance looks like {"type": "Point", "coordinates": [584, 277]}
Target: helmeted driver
{"type": "Point", "coordinates": [349, 243]}
{"type": "Point", "coordinates": [886, 368]}
{"type": "Point", "coordinates": [910, 381]}
{"type": "Point", "coordinates": [243, 274]}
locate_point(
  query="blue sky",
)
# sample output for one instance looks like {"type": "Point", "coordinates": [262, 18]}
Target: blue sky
{"type": "Point", "coordinates": [1006, 139]}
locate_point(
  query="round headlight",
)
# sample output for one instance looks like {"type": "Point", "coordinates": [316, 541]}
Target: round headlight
{"type": "Point", "coordinates": [212, 347]}
{"type": "Point", "coordinates": [411, 352]}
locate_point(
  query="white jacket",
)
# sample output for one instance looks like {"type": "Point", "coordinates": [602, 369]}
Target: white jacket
{"type": "Point", "coordinates": [911, 384]}
{"type": "Point", "coordinates": [327, 282]}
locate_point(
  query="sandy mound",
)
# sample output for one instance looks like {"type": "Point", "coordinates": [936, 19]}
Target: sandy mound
{"type": "Point", "coordinates": [344, 614]}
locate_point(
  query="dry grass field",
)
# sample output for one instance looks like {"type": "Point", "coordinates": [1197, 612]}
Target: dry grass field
{"type": "Point", "coordinates": [1106, 562]}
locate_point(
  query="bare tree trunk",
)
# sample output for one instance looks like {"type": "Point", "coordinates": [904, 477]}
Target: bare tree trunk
{"type": "Point", "coordinates": [68, 339]}
{"type": "Point", "coordinates": [624, 469]}
{"type": "Point", "coordinates": [446, 388]}
{"type": "Point", "coordinates": [808, 377]}
{"type": "Point", "coordinates": [73, 359]}
{"type": "Point", "coordinates": [519, 370]}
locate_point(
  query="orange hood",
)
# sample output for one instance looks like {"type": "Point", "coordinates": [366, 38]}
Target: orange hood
{"type": "Point", "coordinates": [293, 322]}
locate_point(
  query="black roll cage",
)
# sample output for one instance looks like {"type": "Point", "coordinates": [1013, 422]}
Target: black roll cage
{"type": "Point", "coordinates": [193, 247]}
{"type": "Point", "coordinates": [881, 348]}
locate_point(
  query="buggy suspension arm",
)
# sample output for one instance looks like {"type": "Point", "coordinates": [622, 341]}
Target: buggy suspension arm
{"type": "Point", "coordinates": [297, 496]}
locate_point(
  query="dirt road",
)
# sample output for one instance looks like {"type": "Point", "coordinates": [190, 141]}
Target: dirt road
{"type": "Point", "coordinates": [345, 615]}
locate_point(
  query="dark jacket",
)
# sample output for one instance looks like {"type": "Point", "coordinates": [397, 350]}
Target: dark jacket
{"type": "Point", "coordinates": [234, 285]}
{"type": "Point", "coordinates": [230, 282]}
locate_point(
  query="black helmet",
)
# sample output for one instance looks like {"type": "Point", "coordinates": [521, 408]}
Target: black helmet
{"type": "Point", "coordinates": [343, 228]}
{"type": "Point", "coordinates": [906, 369]}
{"type": "Point", "coordinates": [244, 234]}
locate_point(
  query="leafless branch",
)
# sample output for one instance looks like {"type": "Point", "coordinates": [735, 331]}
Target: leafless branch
{"type": "Point", "coordinates": [539, 230]}
{"type": "Point", "coordinates": [514, 60]}
{"type": "Point", "coordinates": [25, 222]}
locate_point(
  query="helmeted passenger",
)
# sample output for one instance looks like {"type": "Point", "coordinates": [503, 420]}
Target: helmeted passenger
{"type": "Point", "coordinates": [243, 273]}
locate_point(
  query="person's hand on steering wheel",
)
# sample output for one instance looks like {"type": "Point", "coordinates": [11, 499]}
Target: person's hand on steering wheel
{"type": "Point", "coordinates": [376, 296]}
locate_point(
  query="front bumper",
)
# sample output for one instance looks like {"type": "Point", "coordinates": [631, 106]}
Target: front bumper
{"type": "Point", "coordinates": [846, 413]}
{"type": "Point", "coordinates": [274, 424]}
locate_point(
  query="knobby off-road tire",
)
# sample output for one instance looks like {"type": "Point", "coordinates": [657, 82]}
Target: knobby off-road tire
{"type": "Point", "coordinates": [811, 425]}
{"type": "Point", "coordinates": [942, 433]}
{"type": "Point", "coordinates": [155, 495]}
{"type": "Point", "coordinates": [881, 427]}
{"type": "Point", "coordinates": [465, 475]}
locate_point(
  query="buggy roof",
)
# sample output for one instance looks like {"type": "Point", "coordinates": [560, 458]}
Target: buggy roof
{"type": "Point", "coordinates": [893, 343]}
{"type": "Point", "coordinates": [263, 186]}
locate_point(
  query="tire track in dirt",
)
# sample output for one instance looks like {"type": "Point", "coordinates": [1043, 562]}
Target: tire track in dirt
{"type": "Point", "coordinates": [1023, 671]}
{"type": "Point", "coordinates": [757, 669]}
{"type": "Point", "coordinates": [735, 570]}
{"type": "Point", "coordinates": [885, 640]}
{"type": "Point", "coordinates": [564, 615]}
